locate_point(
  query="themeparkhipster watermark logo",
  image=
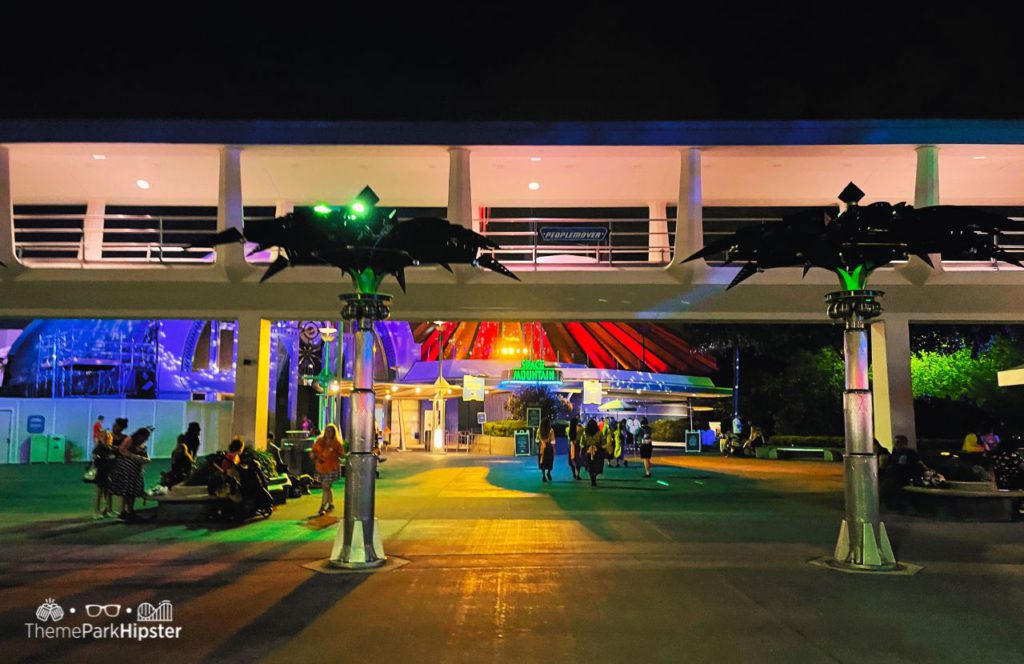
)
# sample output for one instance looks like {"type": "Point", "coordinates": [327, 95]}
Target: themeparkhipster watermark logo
{"type": "Point", "coordinates": [146, 621]}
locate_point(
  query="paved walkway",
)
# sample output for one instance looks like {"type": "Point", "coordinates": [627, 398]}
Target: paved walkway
{"type": "Point", "coordinates": [707, 562]}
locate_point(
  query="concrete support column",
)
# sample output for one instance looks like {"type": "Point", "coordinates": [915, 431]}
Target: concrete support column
{"type": "Point", "coordinates": [690, 213]}
{"type": "Point", "coordinates": [230, 214]}
{"type": "Point", "coordinates": [346, 364]}
{"type": "Point", "coordinates": [926, 194]}
{"type": "Point", "coordinates": [891, 382]}
{"type": "Point", "coordinates": [7, 254]}
{"type": "Point", "coordinates": [460, 193]}
{"type": "Point", "coordinates": [292, 344]}
{"type": "Point", "coordinates": [926, 181]}
{"type": "Point", "coordinates": [92, 231]}
{"type": "Point", "coordinates": [215, 345]}
{"type": "Point", "coordinates": [658, 247]}
{"type": "Point", "coordinates": [252, 380]}
{"type": "Point", "coordinates": [281, 208]}
{"type": "Point", "coordinates": [926, 186]}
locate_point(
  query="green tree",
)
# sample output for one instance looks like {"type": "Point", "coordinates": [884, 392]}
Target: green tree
{"type": "Point", "coordinates": [551, 405]}
{"type": "Point", "coordinates": [804, 397]}
{"type": "Point", "coordinates": [956, 379]}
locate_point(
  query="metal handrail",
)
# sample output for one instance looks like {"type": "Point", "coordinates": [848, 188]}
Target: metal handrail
{"type": "Point", "coordinates": [160, 251]}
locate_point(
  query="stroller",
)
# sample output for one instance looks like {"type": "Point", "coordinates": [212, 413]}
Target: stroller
{"type": "Point", "coordinates": [243, 492]}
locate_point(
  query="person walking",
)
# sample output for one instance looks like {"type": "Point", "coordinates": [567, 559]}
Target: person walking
{"type": "Point", "coordinates": [593, 445]}
{"type": "Point", "coordinates": [126, 478]}
{"type": "Point", "coordinates": [645, 437]}
{"type": "Point", "coordinates": [575, 455]}
{"type": "Point", "coordinates": [609, 440]}
{"type": "Point", "coordinates": [546, 450]}
{"type": "Point", "coordinates": [103, 457]}
{"type": "Point", "coordinates": [97, 431]}
{"type": "Point", "coordinates": [621, 442]}
{"type": "Point", "coordinates": [326, 453]}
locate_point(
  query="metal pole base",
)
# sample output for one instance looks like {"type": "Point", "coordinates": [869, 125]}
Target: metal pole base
{"type": "Point", "coordinates": [358, 543]}
{"type": "Point", "coordinates": [358, 553]}
{"type": "Point", "coordinates": [870, 552]}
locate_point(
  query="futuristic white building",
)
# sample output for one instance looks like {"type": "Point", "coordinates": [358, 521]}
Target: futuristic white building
{"type": "Point", "coordinates": [595, 219]}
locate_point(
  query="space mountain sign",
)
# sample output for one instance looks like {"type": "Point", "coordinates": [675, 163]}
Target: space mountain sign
{"type": "Point", "coordinates": [532, 371]}
{"type": "Point", "coordinates": [573, 234]}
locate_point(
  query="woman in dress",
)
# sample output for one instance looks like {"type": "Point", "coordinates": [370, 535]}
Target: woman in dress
{"type": "Point", "coordinates": [645, 437]}
{"type": "Point", "coordinates": [126, 479]}
{"type": "Point", "coordinates": [326, 453]}
{"type": "Point", "coordinates": [546, 449]}
{"type": "Point", "coordinates": [575, 455]}
{"type": "Point", "coordinates": [593, 445]}
{"type": "Point", "coordinates": [103, 458]}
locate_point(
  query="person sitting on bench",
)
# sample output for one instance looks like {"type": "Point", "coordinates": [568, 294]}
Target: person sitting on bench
{"type": "Point", "coordinates": [181, 464]}
{"type": "Point", "coordinates": [756, 440]}
{"type": "Point", "coordinates": [904, 468]}
{"type": "Point", "coordinates": [1008, 465]}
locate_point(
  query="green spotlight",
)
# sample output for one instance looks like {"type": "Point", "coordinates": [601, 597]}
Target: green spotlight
{"type": "Point", "coordinates": [322, 209]}
{"type": "Point", "coordinates": [358, 207]}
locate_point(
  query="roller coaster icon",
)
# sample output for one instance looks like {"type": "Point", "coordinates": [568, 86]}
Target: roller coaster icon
{"type": "Point", "coordinates": [162, 612]}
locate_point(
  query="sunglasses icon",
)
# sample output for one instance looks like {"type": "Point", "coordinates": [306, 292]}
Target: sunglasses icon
{"type": "Point", "coordinates": [110, 610]}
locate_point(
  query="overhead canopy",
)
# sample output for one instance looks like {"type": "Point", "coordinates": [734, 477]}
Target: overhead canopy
{"type": "Point", "coordinates": [616, 405]}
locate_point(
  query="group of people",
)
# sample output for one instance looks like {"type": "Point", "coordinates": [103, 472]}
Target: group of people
{"type": "Point", "coordinates": [1001, 460]}
{"type": "Point", "coordinates": [118, 462]}
{"type": "Point", "coordinates": [744, 440]}
{"type": "Point", "coordinates": [592, 445]}
{"type": "Point", "coordinates": [983, 457]}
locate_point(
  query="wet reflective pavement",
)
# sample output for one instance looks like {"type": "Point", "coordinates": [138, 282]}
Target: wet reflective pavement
{"type": "Point", "coordinates": [708, 565]}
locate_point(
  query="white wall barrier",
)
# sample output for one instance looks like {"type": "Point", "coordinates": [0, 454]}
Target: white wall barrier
{"type": "Point", "coordinates": [73, 419]}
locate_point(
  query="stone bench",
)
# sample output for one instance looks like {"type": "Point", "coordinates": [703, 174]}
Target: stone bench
{"type": "Point", "coordinates": [194, 503]}
{"type": "Point", "coordinates": [773, 452]}
{"type": "Point", "coordinates": [185, 503]}
{"type": "Point", "coordinates": [964, 501]}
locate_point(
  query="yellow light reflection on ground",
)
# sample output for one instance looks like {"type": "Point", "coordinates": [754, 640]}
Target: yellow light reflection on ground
{"type": "Point", "coordinates": [469, 482]}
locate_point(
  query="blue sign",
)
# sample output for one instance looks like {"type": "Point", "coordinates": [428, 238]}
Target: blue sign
{"type": "Point", "coordinates": [574, 234]}
{"type": "Point", "coordinates": [36, 424]}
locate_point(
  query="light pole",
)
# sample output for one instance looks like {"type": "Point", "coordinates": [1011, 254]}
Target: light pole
{"type": "Point", "coordinates": [440, 421]}
{"type": "Point", "coordinates": [325, 380]}
{"type": "Point", "coordinates": [358, 543]}
{"type": "Point", "coordinates": [863, 541]}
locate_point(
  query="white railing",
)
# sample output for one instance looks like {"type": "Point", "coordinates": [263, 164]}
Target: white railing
{"type": "Point", "coordinates": [630, 242]}
{"type": "Point", "coordinates": [144, 239]}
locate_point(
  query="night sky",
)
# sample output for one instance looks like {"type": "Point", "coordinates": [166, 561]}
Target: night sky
{"type": "Point", "coordinates": [520, 63]}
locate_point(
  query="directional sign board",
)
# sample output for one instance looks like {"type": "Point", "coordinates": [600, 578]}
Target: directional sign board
{"type": "Point", "coordinates": [472, 388]}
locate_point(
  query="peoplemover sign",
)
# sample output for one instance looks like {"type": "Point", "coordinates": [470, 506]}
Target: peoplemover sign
{"type": "Point", "coordinates": [573, 234]}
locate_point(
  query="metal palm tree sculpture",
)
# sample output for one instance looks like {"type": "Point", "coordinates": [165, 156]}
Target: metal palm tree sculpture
{"type": "Point", "coordinates": [863, 238]}
{"type": "Point", "coordinates": [367, 243]}
{"type": "Point", "coordinates": [854, 244]}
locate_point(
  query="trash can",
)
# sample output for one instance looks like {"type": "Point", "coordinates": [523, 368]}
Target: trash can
{"type": "Point", "coordinates": [37, 450]}
{"type": "Point", "coordinates": [57, 449]}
